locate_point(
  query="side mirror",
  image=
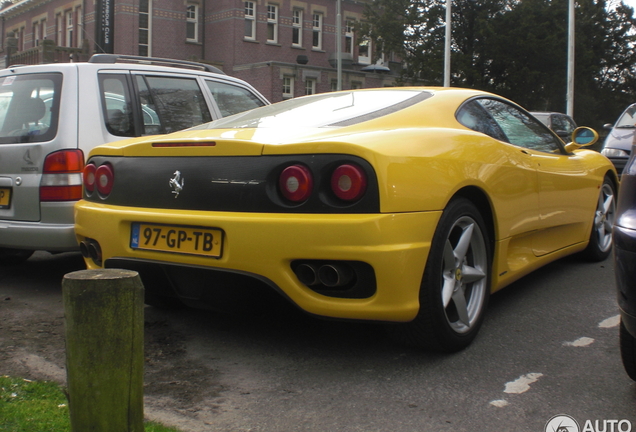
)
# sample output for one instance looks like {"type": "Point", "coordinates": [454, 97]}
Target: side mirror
{"type": "Point", "coordinates": [581, 137]}
{"type": "Point", "coordinates": [608, 126]}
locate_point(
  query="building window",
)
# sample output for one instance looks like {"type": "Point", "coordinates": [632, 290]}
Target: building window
{"type": "Point", "coordinates": [364, 51]}
{"type": "Point", "coordinates": [297, 28]}
{"type": "Point", "coordinates": [144, 44]}
{"type": "Point", "coordinates": [69, 28]}
{"type": "Point", "coordinates": [36, 34]}
{"type": "Point", "coordinates": [317, 31]}
{"type": "Point", "coordinates": [192, 23]}
{"type": "Point", "coordinates": [272, 23]}
{"type": "Point", "coordinates": [80, 23]}
{"type": "Point", "coordinates": [348, 48]}
{"type": "Point", "coordinates": [356, 85]}
{"type": "Point", "coordinates": [310, 86]}
{"type": "Point", "coordinates": [59, 22]}
{"type": "Point", "coordinates": [288, 87]}
{"type": "Point", "coordinates": [250, 21]}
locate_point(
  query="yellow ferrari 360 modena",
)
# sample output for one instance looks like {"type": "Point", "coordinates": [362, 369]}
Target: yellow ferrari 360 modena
{"type": "Point", "coordinates": [402, 205]}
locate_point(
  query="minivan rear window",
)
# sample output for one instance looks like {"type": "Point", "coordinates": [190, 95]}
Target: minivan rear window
{"type": "Point", "coordinates": [29, 107]}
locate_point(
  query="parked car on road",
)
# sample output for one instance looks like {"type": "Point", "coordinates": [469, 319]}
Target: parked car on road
{"type": "Point", "coordinates": [51, 115]}
{"type": "Point", "coordinates": [402, 205]}
{"type": "Point", "coordinates": [624, 264]}
{"type": "Point", "coordinates": [618, 144]}
{"type": "Point", "coordinates": [562, 124]}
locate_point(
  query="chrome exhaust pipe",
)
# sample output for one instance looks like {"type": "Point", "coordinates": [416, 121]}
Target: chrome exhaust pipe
{"type": "Point", "coordinates": [307, 274]}
{"type": "Point", "coordinates": [95, 252]}
{"type": "Point", "coordinates": [334, 275]}
{"type": "Point", "coordinates": [84, 249]}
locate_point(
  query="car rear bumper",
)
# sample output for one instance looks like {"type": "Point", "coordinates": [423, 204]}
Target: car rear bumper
{"type": "Point", "coordinates": [37, 236]}
{"type": "Point", "coordinates": [266, 245]}
{"type": "Point", "coordinates": [55, 231]}
{"type": "Point", "coordinates": [625, 262]}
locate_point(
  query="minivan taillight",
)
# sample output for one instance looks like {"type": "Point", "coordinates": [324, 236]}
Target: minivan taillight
{"type": "Point", "coordinates": [62, 176]}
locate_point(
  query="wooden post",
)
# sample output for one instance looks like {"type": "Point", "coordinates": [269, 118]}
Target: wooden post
{"type": "Point", "coordinates": [104, 350]}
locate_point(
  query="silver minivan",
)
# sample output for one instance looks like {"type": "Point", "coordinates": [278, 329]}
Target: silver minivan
{"type": "Point", "coordinates": [52, 115]}
{"type": "Point", "coordinates": [618, 144]}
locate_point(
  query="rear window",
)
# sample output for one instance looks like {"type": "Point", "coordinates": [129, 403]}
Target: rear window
{"type": "Point", "coordinates": [232, 99]}
{"type": "Point", "coordinates": [324, 110]}
{"type": "Point", "coordinates": [29, 107]}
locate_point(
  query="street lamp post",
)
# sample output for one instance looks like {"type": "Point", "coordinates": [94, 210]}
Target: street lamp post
{"type": "Point", "coordinates": [447, 44]}
{"type": "Point", "coordinates": [570, 79]}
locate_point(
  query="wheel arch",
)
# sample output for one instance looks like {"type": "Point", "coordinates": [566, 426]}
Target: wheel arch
{"type": "Point", "coordinates": [480, 199]}
{"type": "Point", "coordinates": [611, 174]}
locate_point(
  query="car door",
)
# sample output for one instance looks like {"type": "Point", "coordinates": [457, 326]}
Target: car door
{"type": "Point", "coordinates": [564, 187]}
{"type": "Point", "coordinates": [29, 112]}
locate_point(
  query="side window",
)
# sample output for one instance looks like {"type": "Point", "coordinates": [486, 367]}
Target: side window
{"type": "Point", "coordinates": [520, 128]}
{"type": "Point", "coordinates": [177, 102]}
{"type": "Point", "coordinates": [29, 107]}
{"type": "Point", "coordinates": [117, 104]}
{"type": "Point", "coordinates": [475, 117]}
{"type": "Point", "coordinates": [232, 99]}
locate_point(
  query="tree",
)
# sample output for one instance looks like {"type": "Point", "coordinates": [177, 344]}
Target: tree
{"type": "Point", "coordinates": [518, 49]}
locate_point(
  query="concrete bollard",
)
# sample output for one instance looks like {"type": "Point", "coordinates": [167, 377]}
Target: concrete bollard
{"type": "Point", "coordinates": [104, 350]}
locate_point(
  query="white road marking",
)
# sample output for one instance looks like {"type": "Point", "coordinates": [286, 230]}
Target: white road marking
{"type": "Point", "coordinates": [610, 322]}
{"type": "Point", "coordinates": [580, 342]}
{"type": "Point", "coordinates": [500, 403]}
{"type": "Point", "coordinates": [522, 384]}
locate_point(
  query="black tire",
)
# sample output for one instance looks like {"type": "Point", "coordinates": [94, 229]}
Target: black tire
{"type": "Point", "coordinates": [628, 352]}
{"type": "Point", "coordinates": [14, 256]}
{"type": "Point", "coordinates": [600, 245]}
{"type": "Point", "coordinates": [442, 323]}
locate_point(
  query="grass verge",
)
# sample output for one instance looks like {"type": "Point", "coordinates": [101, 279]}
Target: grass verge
{"type": "Point", "coordinates": [36, 406]}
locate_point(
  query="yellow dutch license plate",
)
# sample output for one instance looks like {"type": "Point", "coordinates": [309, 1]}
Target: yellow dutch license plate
{"type": "Point", "coordinates": [177, 239]}
{"type": "Point", "coordinates": [5, 198]}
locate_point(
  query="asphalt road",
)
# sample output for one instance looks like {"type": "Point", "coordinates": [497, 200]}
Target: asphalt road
{"type": "Point", "coordinates": [549, 346]}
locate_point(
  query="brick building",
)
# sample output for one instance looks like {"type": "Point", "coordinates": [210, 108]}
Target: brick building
{"type": "Point", "coordinates": [285, 48]}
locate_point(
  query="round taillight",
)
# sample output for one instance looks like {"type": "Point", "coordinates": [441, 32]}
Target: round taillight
{"type": "Point", "coordinates": [88, 177]}
{"type": "Point", "coordinates": [348, 182]}
{"type": "Point", "coordinates": [104, 179]}
{"type": "Point", "coordinates": [296, 183]}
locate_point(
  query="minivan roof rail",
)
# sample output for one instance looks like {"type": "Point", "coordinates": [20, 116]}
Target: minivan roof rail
{"type": "Point", "coordinates": [121, 58]}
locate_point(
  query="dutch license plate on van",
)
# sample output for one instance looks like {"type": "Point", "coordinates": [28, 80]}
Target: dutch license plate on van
{"type": "Point", "coordinates": [177, 239]}
{"type": "Point", "coordinates": [5, 198]}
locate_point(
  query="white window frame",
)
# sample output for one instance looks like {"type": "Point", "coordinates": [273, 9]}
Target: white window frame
{"type": "Point", "coordinates": [365, 59]}
{"type": "Point", "coordinates": [316, 27]}
{"type": "Point", "coordinates": [36, 33]}
{"type": "Point", "coordinates": [192, 20]}
{"type": "Point", "coordinates": [68, 15]}
{"type": "Point", "coordinates": [250, 19]}
{"type": "Point", "coordinates": [288, 87]}
{"type": "Point", "coordinates": [272, 23]}
{"type": "Point", "coordinates": [60, 28]}
{"type": "Point", "coordinates": [349, 36]}
{"type": "Point", "coordinates": [310, 86]}
{"type": "Point", "coordinates": [78, 19]}
{"type": "Point", "coordinates": [148, 45]}
{"type": "Point", "coordinates": [297, 26]}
